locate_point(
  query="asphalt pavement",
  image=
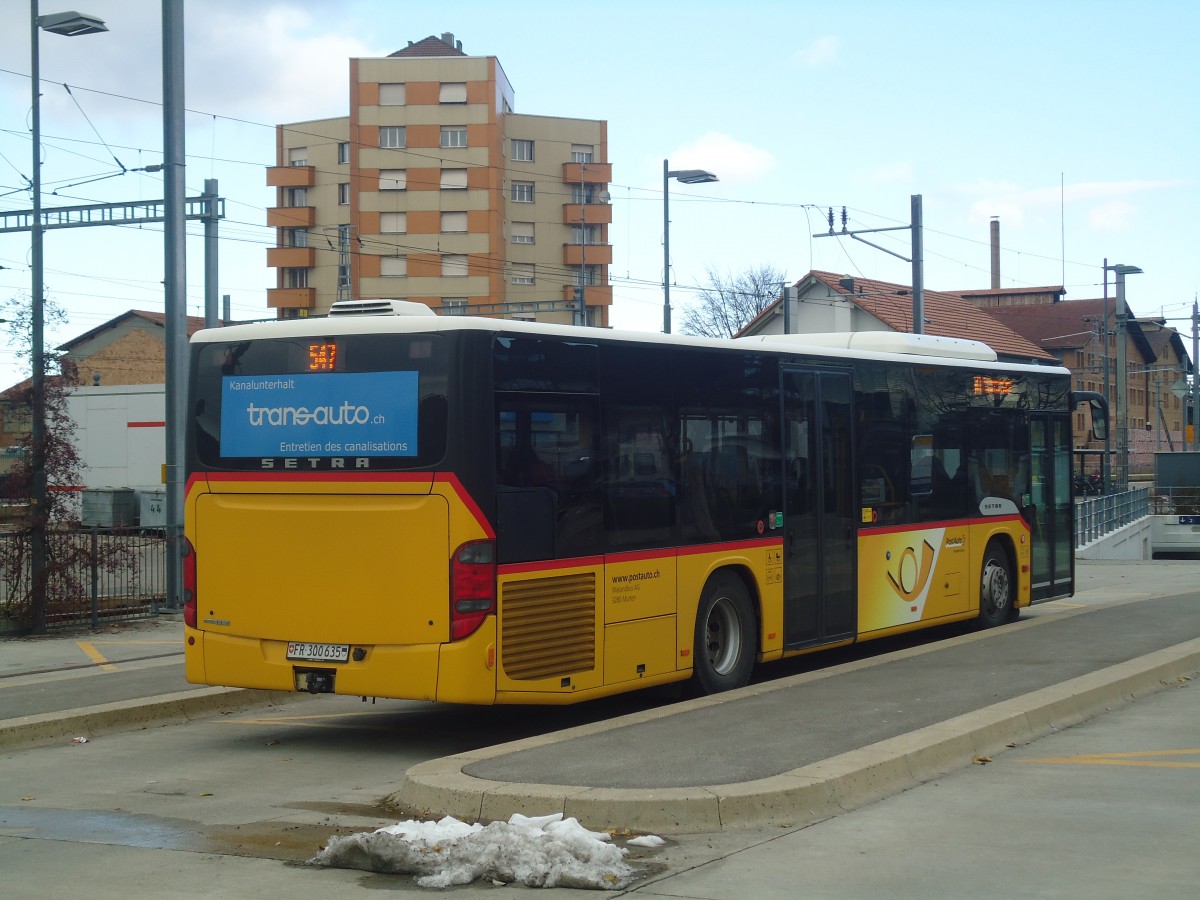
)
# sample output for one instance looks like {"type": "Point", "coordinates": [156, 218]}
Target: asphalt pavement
{"type": "Point", "coordinates": [865, 778]}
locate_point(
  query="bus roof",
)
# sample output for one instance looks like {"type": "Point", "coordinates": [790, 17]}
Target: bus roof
{"type": "Point", "coordinates": [867, 345]}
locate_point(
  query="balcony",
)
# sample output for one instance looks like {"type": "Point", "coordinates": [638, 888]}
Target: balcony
{"type": "Point", "coordinates": [291, 298]}
{"type": "Point", "coordinates": [291, 176]}
{"type": "Point", "coordinates": [291, 216]}
{"type": "Point", "coordinates": [291, 257]}
{"type": "Point", "coordinates": [587, 173]}
{"type": "Point", "coordinates": [594, 294]}
{"type": "Point", "coordinates": [589, 213]}
{"type": "Point", "coordinates": [587, 254]}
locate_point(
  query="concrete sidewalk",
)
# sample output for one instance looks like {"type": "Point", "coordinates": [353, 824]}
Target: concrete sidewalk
{"type": "Point", "coordinates": [809, 746]}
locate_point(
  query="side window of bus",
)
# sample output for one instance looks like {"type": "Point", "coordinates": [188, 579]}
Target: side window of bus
{"type": "Point", "coordinates": [638, 474]}
{"type": "Point", "coordinates": [892, 469]}
{"type": "Point", "coordinates": [548, 498]}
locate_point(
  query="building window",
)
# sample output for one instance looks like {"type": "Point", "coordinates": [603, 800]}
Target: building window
{"type": "Point", "coordinates": [454, 265]}
{"type": "Point", "coordinates": [521, 232]}
{"type": "Point", "coordinates": [343, 275]}
{"type": "Point", "coordinates": [582, 153]}
{"type": "Point", "coordinates": [522, 273]}
{"type": "Point", "coordinates": [393, 266]}
{"type": "Point", "coordinates": [454, 306]}
{"type": "Point", "coordinates": [393, 223]}
{"type": "Point", "coordinates": [522, 191]}
{"type": "Point", "coordinates": [583, 193]}
{"type": "Point", "coordinates": [393, 179]}
{"type": "Point", "coordinates": [454, 136]}
{"type": "Point", "coordinates": [452, 92]}
{"type": "Point", "coordinates": [344, 193]}
{"type": "Point", "coordinates": [295, 237]}
{"type": "Point", "coordinates": [296, 196]}
{"type": "Point", "coordinates": [343, 152]}
{"type": "Point", "coordinates": [391, 94]}
{"type": "Point", "coordinates": [454, 222]}
{"type": "Point", "coordinates": [522, 151]}
{"type": "Point", "coordinates": [584, 234]}
{"type": "Point", "coordinates": [298, 156]}
{"type": "Point", "coordinates": [391, 137]}
{"type": "Point", "coordinates": [454, 179]}
{"type": "Point", "coordinates": [295, 278]}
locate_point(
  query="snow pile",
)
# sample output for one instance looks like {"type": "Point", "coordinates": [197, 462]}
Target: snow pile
{"type": "Point", "coordinates": [544, 851]}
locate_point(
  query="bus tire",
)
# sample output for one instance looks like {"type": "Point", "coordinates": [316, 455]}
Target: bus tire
{"type": "Point", "coordinates": [726, 636]}
{"type": "Point", "coordinates": [997, 588]}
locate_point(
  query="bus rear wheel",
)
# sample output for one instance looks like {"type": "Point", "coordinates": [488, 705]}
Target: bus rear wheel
{"type": "Point", "coordinates": [997, 589]}
{"type": "Point", "coordinates": [726, 636]}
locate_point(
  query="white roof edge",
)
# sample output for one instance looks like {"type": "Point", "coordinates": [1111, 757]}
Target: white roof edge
{"type": "Point", "coordinates": [888, 342]}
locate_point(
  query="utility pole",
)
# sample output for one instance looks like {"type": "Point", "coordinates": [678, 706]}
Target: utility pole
{"type": "Point", "coordinates": [1195, 376]}
{"type": "Point", "coordinates": [916, 226]}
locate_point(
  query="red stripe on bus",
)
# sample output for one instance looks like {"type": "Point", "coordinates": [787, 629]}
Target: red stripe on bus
{"type": "Point", "coordinates": [145, 424]}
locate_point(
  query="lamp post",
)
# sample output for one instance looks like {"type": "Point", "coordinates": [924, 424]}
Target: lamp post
{"type": "Point", "coordinates": [1122, 377]}
{"type": "Point", "coordinates": [684, 176]}
{"type": "Point", "coordinates": [70, 24]}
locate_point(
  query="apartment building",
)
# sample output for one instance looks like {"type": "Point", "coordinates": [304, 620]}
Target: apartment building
{"type": "Point", "coordinates": [434, 190]}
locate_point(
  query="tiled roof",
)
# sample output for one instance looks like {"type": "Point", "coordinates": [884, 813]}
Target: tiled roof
{"type": "Point", "coordinates": [946, 314]}
{"type": "Point", "coordinates": [1065, 325]}
{"type": "Point", "coordinates": [430, 46]}
{"type": "Point", "coordinates": [194, 324]}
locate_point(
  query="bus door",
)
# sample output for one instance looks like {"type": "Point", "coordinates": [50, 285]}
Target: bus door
{"type": "Point", "coordinates": [819, 575]}
{"type": "Point", "coordinates": [1053, 556]}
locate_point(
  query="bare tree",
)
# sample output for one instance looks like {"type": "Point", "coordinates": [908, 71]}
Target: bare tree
{"type": "Point", "coordinates": [730, 302]}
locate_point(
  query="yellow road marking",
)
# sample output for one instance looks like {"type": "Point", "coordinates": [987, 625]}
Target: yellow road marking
{"type": "Point", "coordinates": [95, 656]}
{"type": "Point", "coordinates": [1145, 758]}
{"type": "Point", "coordinates": [89, 650]}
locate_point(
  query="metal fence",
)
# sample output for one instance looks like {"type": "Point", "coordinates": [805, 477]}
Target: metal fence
{"type": "Point", "coordinates": [94, 576]}
{"type": "Point", "coordinates": [1097, 516]}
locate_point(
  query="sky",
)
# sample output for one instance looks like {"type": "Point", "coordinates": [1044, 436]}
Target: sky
{"type": "Point", "coordinates": [1075, 122]}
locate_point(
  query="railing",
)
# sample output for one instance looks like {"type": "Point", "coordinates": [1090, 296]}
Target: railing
{"type": "Point", "coordinates": [1097, 516]}
{"type": "Point", "coordinates": [93, 575]}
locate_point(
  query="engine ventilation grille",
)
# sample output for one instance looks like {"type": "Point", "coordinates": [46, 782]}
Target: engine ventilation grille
{"type": "Point", "coordinates": [379, 308]}
{"type": "Point", "coordinates": [548, 626]}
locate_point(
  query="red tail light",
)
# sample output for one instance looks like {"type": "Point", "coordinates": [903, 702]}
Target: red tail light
{"type": "Point", "coordinates": [189, 584]}
{"type": "Point", "coordinates": [472, 587]}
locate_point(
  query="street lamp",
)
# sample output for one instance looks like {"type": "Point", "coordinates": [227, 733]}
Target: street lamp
{"type": "Point", "coordinates": [1122, 376]}
{"type": "Point", "coordinates": [684, 176]}
{"type": "Point", "coordinates": [70, 24]}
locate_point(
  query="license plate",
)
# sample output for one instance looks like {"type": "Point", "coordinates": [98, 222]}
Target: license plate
{"type": "Point", "coordinates": [318, 652]}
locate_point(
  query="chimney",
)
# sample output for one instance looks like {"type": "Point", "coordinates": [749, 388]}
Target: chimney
{"type": "Point", "coordinates": [448, 38]}
{"type": "Point", "coordinates": [847, 282]}
{"type": "Point", "coordinates": [995, 253]}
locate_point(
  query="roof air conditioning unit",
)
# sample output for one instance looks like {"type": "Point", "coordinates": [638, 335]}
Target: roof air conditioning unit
{"type": "Point", "coordinates": [379, 308]}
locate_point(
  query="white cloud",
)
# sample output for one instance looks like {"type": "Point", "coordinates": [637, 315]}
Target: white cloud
{"type": "Point", "coordinates": [728, 158]}
{"type": "Point", "coordinates": [819, 53]}
{"type": "Point", "coordinates": [888, 174]}
{"type": "Point", "coordinates": [1111, 217]}
{"type": "Point", "coordinates": [1013, 203]}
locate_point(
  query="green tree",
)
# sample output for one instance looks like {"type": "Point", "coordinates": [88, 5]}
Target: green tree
{"type": "Point", "coordinates": [730, 302]}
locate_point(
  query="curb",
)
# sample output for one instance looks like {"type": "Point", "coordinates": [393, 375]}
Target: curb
{"type": "Point", "coordinates": [803, 795]}
{"type": "Point", "coordinates": [128, 715]}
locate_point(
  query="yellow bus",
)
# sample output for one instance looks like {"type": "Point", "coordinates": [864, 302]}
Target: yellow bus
{"type": "Point", "coordinates": [482, 511]}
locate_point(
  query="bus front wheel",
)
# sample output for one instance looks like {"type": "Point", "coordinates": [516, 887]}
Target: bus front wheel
{"type": "Point", "coordinates": [997, 589]}
{"type": "Point", "coordinates": [725, 636]}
